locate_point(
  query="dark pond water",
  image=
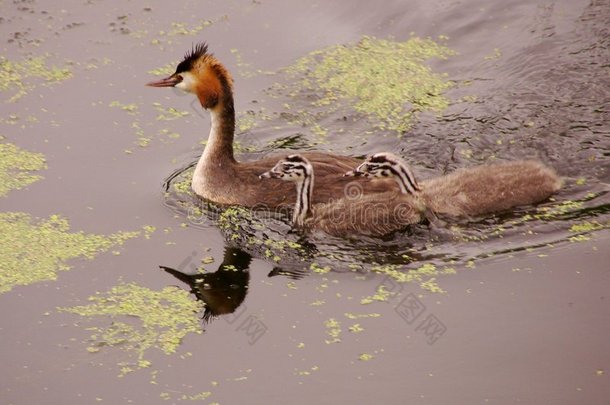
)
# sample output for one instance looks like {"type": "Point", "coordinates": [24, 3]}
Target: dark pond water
{"type": "Point", "coordinates": [510, 308]}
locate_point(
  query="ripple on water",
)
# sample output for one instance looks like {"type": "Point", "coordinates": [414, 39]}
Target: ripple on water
{"type": "Point", "coordinates": [420, 253]}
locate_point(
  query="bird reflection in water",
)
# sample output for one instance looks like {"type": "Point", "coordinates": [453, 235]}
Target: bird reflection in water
{"type": "Point", "coordinates": [224, 290]}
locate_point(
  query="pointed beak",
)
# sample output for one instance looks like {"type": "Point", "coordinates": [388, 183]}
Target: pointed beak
{"type": "Point", "coordinates": [170, 81]}
{"type": "Point", "coordinates": [269, 175]}
{"type": "Point", "coordinates": [357, 172]}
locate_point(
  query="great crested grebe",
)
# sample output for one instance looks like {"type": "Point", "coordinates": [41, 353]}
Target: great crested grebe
{"type": "Point", "coordinates": [376, 214]}
{"type": "Point", "coordinates": [469, 192]}
{"type": "Point", "coordinates": [218, 177]}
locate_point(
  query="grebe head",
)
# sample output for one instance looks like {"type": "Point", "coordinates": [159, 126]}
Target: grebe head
{"type": "Point", "coordinates": [386, 164]}
{"type": "Point", "coordinates": [291, 168]}
{"type": "Point", "coordinates": [377, 165]}
{"type": "Point", "coordinates": [297, 169]}
{"type": "Point", "coordinates": [199, 73]}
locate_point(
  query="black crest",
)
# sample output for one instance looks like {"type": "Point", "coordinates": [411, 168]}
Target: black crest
{"type": "Point", "coordinates": [379, 158]}
{"type": "Point", "coordinates": [191, 57]}
{"type": "Point", "coordinates": [295, 159]}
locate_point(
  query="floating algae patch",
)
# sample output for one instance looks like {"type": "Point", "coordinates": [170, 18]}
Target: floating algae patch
{"type": "Point", "coordinates": [142, 319]}
{"type": "Point", "coordinates": [588, 226]}
{"type": "Point", "coordinates": [251, 229]}
{"type": "Point", "coordinates": [182, 182]}
{"type": "Point", "coordinates": [16, 167]}
{"type": "Point", "coordinates": [167, 37]}
{"type": "Point", "coordinates": [143, 139]}
{"type": "Point", "coordinates": [168, 114]}
{"type": "Point", "coordinates": [385, 80]}
{"type": "Point", "coordinates": [424, 275]}
{"type": "Point", "coordinates": [35, 251]}
{"type": "Point", "coordinates": [582, 230]}
{"type": "Point", "coordinates": [180, 28]}
{"type": "Point", "coordinates": [366, 357]}
{"type": "Point", "coordinates": [382, 295]}
{"type": "Point", "coordinates": [20, 77]}
{"type": "Point", "coordinates": [164, 70]}
{"type": "Point", "coordinates": [131, 109]}
{"type": "Point", "coordinates": [570, 211]}
{"type": "Point", "coordinates": [178, 396]}
{"type": "Point", "coordinates": [333, 329]}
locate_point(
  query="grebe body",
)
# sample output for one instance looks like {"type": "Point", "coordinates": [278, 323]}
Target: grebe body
{"type": "Point", "coordinates": [218, 176]}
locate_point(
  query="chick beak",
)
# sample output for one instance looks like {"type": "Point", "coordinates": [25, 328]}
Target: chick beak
{"type": "Point", "coordinates": [353, 173]}
{"type": "Point", "coordinates": [270, 175]}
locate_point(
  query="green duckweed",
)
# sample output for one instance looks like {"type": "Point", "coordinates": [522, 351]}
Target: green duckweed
{"type": "Point", "coordinates": [196, 397]}
{"type": "Point", "coordinates": [164, 70]}
{"type": "Point", "coordinates": [559, 209]}
{"type": "Point", "coordinates": [142, 319]}
{"type": "Point", "coordinates": [366, 357]}
{"type": "Point", "coordinates": [316, 268]}
{"type": "Point", "coordinates": [169, 113]}
{"type": "Point", "coordinates": [333, 329]}
{"type": "Point", "coordinates": [246, 121]}
{"type": "Point", "coordinates": [183, 184]}
{"type": "Point", "coordinates": [180, 28]}
{"type": "Point", "coordinates": [131, 108]}
{"type": "Point", "coordinates": [21, 77]}
{"type": "Point", "coordinates": [356, 328]}
{"type": "Point", "coordinates": [497, 54]}
{"type": "Point", "coordinates": [382, 295]}
{"type": "Point", "coordinates": [177, 29]}
{"type": "Point", "coordinates": [587, 227]}
{"type": "Point", "coordinates": [36, 250]}
{"type": "Point", "coordinates": [386, 80]}
{"type": "Point", "coordinates": [16, 167]}
{"type": "Point", "coordinates": [424, 275]}
{"type": "Point", "coordinates": [230, 218]}
{"type": "Point", "coordinates": [143, 137]}
{"type": "Point", "coordinates": [582, 230]}
{"type": "Point", "coordinates": [351, 315]}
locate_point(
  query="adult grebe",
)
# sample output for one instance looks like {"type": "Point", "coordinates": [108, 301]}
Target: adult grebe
{"type": "Point", "coordinates": [218, 177]}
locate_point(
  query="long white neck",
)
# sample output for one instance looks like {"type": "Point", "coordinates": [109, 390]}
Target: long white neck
{"type": "Point", "coordinates": [217, 160]}
{"type": "Point", "coordinates": [215, 138]}
{"type": "Point", "coordinates": [302, 207]}
{"type": "Point", "coordinates": [219, 147]}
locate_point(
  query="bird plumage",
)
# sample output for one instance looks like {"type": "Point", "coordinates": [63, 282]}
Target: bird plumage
{"type": "Point", "coordinates": [472, 191]}
{"type": "Point", "coordinates": [358, 213]}
{"type": "Point", "coordinates": [485, 189]}
{"type": "Point", "coordinates": [218, 176]}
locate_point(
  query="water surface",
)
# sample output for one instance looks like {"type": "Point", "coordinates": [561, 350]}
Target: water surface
{"type": "Point", "coordinates": [507, 308]}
